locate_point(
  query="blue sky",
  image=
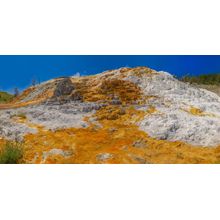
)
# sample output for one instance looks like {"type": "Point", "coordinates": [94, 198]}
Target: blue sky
{"type": "Point", "coordinates": [18, 71]}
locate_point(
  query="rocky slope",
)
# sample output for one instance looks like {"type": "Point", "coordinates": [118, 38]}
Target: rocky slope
{"type": "Point", "coordinates": [128, 115]}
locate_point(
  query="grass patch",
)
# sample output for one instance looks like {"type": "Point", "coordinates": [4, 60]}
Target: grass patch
{"type": "Point", "coordinates": [5, 97]}
{"type": "Point", "coordinates": [11, 153]}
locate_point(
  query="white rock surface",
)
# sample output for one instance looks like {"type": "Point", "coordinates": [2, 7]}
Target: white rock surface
{"type": "Point", "coordinates": [52, 117]}
{"type": "Point", "coordinates": [11, 130]}
{"type": "Point", "coordinates": [55, 151]}
{"type": "Point", "coordinates": [171, 122]}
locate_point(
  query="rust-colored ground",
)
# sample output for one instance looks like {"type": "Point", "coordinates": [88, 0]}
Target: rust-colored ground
{"type": "Point", "coordinates": [118, 136]}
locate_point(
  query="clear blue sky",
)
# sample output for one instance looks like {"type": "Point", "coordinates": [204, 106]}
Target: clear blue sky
{"type": "Point", "coordinates": [18, 71]}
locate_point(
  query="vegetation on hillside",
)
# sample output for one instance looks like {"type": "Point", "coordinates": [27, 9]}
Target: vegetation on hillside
{"type": "Point", "coordinates": [11, 153]}
{"type": "Point", "coordinates": [5, 97]}
{"type": "Point", "coordinates": [207, 79]}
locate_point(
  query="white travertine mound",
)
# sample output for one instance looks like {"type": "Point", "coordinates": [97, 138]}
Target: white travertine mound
{"type": "Point", "coordinates": [9, 129]}
{"type": "Point", "coordinates": [39, 89]}
{"type": "Point", "coordinates": [51, 117]}
{"type": "Point", "coordinates": [60, 116]}
{"type": "Point", "coordinates": [173, 120]}
{"type": "Point", "coordinates": [174, 124]}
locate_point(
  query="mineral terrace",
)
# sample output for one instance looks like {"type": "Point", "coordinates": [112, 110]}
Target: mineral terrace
{"type": "Point", "coordinates": [128, 115]}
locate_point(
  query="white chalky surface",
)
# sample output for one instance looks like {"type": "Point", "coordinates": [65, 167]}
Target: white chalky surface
{"type": "Point", "coordinates": [51, 117]}
{"type": "Point", "coordinates": [171, 122]}
{"type": "Point", "coordinates": [11, 130]}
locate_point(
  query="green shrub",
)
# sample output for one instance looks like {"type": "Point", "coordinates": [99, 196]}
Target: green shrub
{"type": "Point", "coordinates": [209, 79]}
{"type": "Point", "coordinates": [11, 153]}
{"type": "Point", "coordinates": [5, 97]}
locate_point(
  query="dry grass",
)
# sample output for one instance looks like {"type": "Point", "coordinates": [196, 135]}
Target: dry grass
{"type": "Point", "coordinates": [212, 88]}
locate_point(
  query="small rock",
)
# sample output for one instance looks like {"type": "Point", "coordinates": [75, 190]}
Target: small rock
{"type": "Point", "coordinates": [104, 156]}
{"type": "Point", "coordinates": [64, 87]}
{"type": "Point", "coordinates": [140, 144]}
{"type": "Point", "coordinates": [139, 159]}
{"type": "Point", "coordinates": [112, 130]}
{"type": "Point", "coordinates": [55, 152]}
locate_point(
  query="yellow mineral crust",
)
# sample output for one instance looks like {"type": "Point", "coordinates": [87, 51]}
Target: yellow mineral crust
{"type": "Point", "coordinates": [198, 112]}
{"type": "Point", "coordinates": [93, 90]}
{"type": "Point", "coordinates": [118, 136]}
